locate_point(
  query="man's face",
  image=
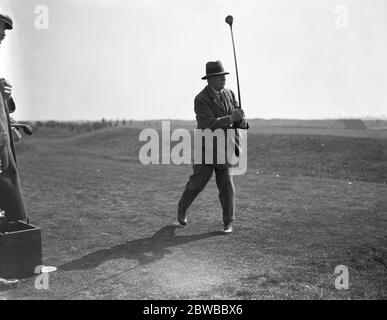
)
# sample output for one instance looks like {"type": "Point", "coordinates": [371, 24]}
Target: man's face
{"type": "Point", "coordinates": [217, 82]}
{"type": "Point", "coordinates": [2, 31]}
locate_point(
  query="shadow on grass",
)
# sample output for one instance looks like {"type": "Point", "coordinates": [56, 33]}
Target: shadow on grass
{"type": "Point", "coordinates": [145, 250]}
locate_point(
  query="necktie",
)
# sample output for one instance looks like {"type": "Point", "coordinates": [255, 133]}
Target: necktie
{"type": "Point", "coordinates": [222, 101]}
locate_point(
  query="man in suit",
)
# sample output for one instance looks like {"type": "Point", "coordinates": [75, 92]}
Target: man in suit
{"type": "Point", "coordinates": [215, 108]}
{"type": "Point", "coordinates": [11, 199]}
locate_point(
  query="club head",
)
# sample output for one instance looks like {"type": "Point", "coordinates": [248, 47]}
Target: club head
{"type": "Point", "coordinates": [28, 129]}
{"type": "Point", "coordinates": [229, 20]}
{"type": "Point", "coordinates": [25, 127]}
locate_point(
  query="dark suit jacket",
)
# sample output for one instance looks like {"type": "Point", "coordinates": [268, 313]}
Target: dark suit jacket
{"type": "Point", "coordinates": [11, 198]}
{"type": "Point", "coordinates": [212, 114]}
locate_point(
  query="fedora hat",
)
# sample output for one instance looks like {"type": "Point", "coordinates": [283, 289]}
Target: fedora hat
{"type": "Point", "coordinates": [6, 19]}
{"type": "Point", "coordinates": [214, 69]}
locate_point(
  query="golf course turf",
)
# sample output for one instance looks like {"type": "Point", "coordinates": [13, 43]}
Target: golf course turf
{"type": "Point", "coordinates": [307, 204]}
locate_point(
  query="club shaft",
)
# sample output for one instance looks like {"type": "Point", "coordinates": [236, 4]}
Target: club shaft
{"type": "Point", "coordinates": [236, 67]}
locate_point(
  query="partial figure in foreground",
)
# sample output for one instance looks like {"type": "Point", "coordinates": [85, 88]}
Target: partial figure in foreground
{"type": "Point", "coordinates": [215, 108]}
{"type": "Point", "coordinates": [12, 205]}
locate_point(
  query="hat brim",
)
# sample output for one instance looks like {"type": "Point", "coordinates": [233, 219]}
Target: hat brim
{"type": "Point", "coordinates": [214, 74]}
{"type": "Point", "coordinates": [8, 22]}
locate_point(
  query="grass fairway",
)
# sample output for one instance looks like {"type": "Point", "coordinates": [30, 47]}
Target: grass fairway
{"type": "Point", "coordinates": [307, 204]}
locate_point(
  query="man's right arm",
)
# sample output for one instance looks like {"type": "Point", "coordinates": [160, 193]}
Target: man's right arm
{"type": "Point", "coordinates": [206, 118]}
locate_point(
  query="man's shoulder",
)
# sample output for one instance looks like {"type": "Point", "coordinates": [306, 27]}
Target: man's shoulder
{"type": "Point", "coordinates": [206, 94]}
{"type": "Point", "coordinates": [202, 99]}
{"type": "Point", "coordinates": [202, 94]}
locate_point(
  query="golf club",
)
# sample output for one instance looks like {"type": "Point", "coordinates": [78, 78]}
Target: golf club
{"type": "Point", "coordinates": [26, 128]}
{"type": "Point", "coordinates": [229, 21]}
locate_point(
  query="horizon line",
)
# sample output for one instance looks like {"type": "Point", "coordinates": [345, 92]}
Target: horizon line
{"type": "Point", "coordinates": [367, 118]}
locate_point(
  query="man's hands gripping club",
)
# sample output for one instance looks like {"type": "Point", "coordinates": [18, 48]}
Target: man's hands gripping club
{"type": "Point", "coordinates": [237, 115]}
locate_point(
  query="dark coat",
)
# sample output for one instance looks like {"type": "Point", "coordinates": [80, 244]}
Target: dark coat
{"type": "Point", "coordinates": [212, 114]}
{"type": "Point", "coordinates": [11, 198]}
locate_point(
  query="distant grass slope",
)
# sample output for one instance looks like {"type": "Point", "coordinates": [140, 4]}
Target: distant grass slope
{"type": "Point", "coordinates": [325, 156]}
{"type": "Point", "coordinates": [319, 156]}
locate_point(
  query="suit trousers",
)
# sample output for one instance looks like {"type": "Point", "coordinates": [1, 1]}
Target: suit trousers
{"type": "Point", "coordinates": [202, 173]}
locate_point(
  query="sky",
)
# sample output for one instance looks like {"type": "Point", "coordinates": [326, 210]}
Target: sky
{"type": "Point", "coordinates": [116, 59]}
